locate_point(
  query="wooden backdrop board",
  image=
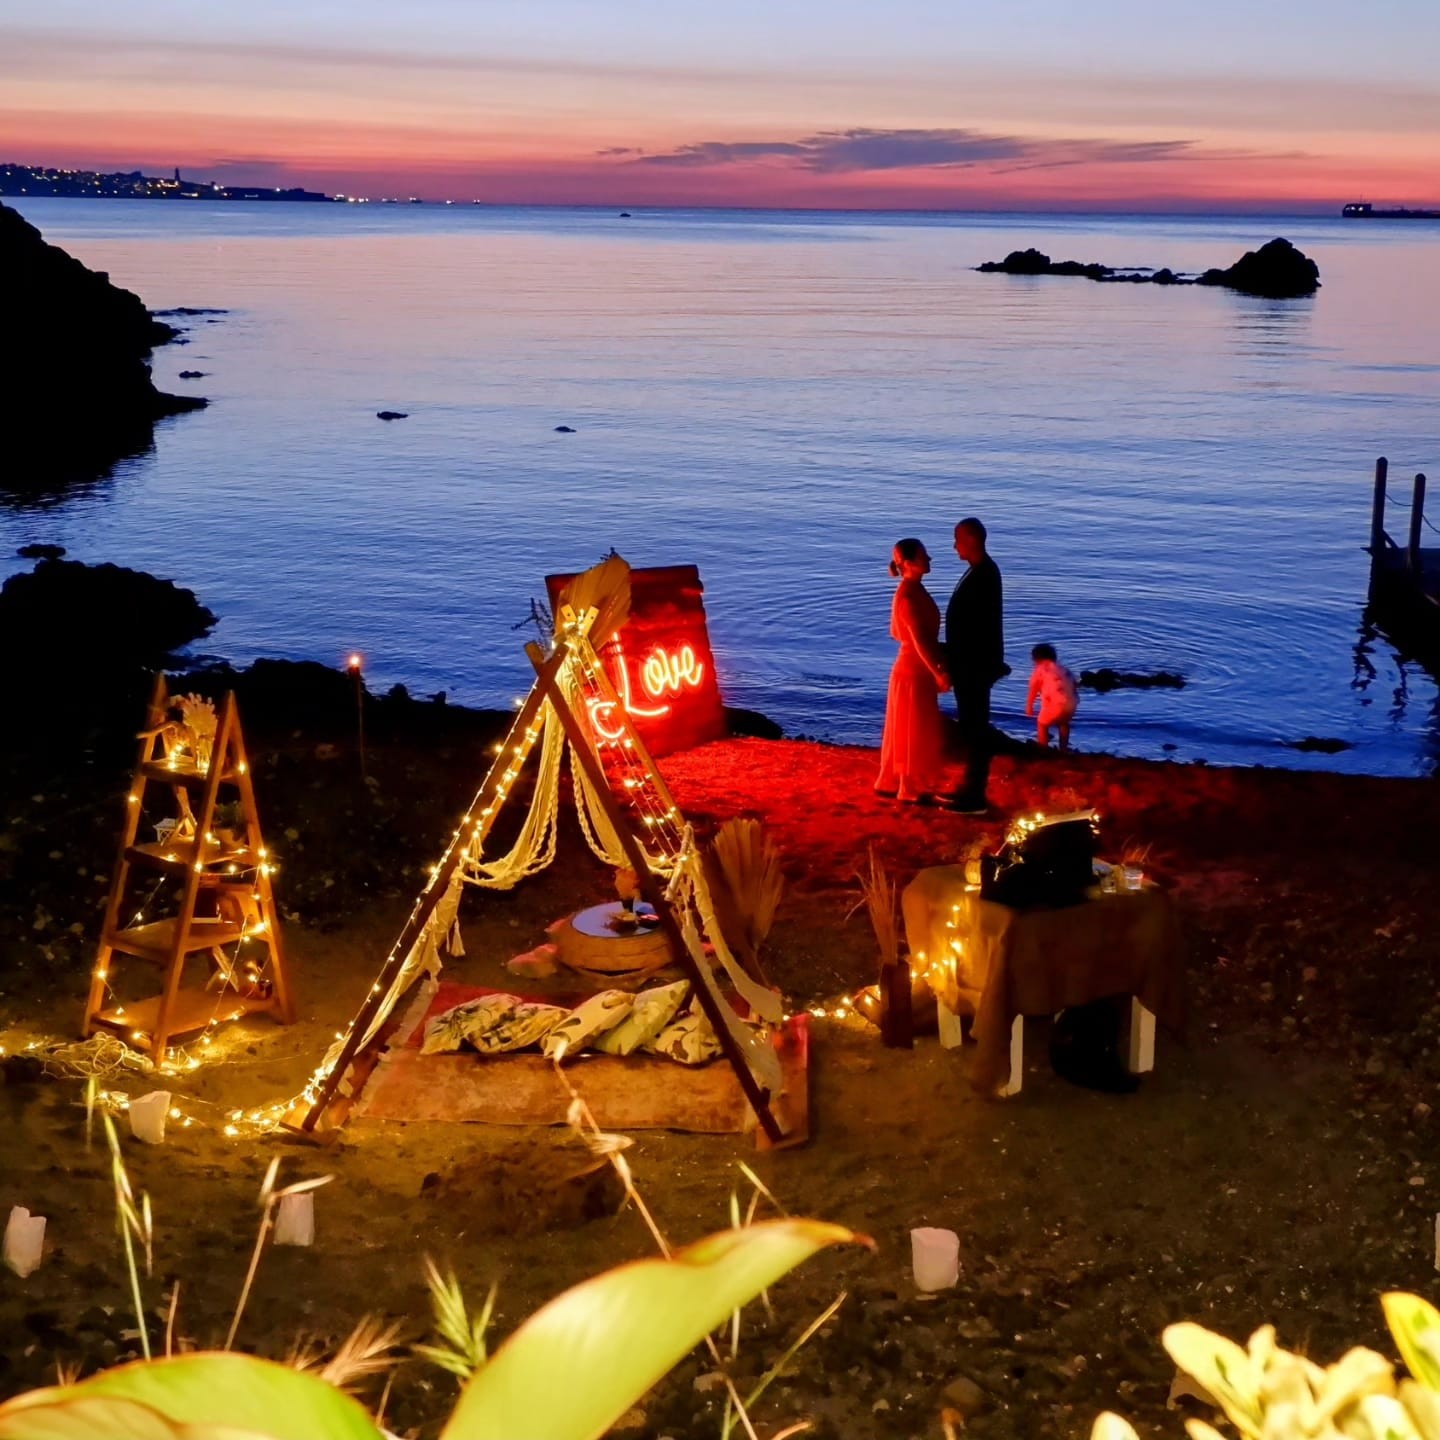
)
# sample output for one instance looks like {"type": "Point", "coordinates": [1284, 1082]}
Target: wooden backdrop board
{"type": "Point", "coordinates": [661, 659]}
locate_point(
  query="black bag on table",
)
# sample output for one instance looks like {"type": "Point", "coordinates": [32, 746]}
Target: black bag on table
{"type": "Point", "coordinates": [1045, 861]}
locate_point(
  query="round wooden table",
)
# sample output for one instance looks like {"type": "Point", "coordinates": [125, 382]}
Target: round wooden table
{"type": "Point", "coordinates": [594, 945]}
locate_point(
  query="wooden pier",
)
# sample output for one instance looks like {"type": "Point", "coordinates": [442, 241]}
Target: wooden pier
{"type": "Point", "coordinates": [1404, 579]}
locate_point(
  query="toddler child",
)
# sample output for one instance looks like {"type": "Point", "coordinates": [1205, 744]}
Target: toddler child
{"type": "Point", "coordinates": [1053, 686]}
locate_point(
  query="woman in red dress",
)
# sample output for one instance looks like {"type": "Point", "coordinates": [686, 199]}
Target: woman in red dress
{"type": "Point", "coordinates": [912, 750]}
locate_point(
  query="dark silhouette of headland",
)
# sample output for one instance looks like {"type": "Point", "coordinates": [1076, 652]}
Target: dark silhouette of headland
{"type": "Point", "coordinates": [1276, 271]}
{"type": "Point", "coordinates": [76, 349]}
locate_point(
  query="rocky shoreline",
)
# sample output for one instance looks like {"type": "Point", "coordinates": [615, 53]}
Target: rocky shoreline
{"type": "Point", "coordinates": [77, 349]}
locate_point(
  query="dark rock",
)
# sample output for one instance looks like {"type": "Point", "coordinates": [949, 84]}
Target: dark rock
{"type": "Point", "coordinates": [76, 349]}
{"type": "Point", "coordinates": [751, 723]}
{"type": "Point", "coordinates": [1276, 271]}
{"type": "Point", "coordinates": [190, 310]}
{"type": "Point", "coordinates": [392, 415]}
{"type": "Point", "coordinates": [1019, 262]}
{"type": "Point", "coordinates": [65, 616]}
{"type": "Point", "coordinates": [1037, 262]}
{"type": "Point", "coordinates": [964, 1395]}
{"type": "Point", "coordinates": [1319, 744]}
{"type": "Point", "coordinates": [1107, 679]}
{"type": "Point", "coordinates": [41, 552]}
{"type": "Point", "coordinates": [624, 214]}
{"type": "Point", "coordinates": [564, 429]}
{"type": "Point", "coordinates": [193, 374]}
{"type": "Point", "coordinates": [1091, 271]}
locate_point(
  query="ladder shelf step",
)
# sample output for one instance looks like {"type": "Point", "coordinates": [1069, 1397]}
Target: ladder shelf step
{"type": "Point", "coordinates": [154, 941]}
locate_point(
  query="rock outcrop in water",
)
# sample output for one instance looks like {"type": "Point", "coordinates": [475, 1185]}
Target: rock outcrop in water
{"type": "Point", "coordinates": [1276, 271]}
{"type": "Point", "coordinates": [76, 351]}
{"type": "Point", "coordinates": [66, 616]}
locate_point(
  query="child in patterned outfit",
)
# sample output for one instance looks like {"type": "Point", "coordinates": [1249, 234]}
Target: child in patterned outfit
{"type": "Point", "coordinates": [1054, 687]}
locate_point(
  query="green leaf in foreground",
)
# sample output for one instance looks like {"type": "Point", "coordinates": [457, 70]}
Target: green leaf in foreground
{"type": "Point", "coordinates": [104, 1418]}
{"type": "Point", "coordinates": [578, 1364]}
{"type": "Point", "coordinates": [1415, 1325]}
{"type": "Point", "coordinates": [216, 1393]}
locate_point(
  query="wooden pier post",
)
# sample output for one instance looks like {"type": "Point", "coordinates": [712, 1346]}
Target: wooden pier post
{"type": "Point", "coordinates": [1417, 517]}
{"type": "Point", "coordinates": [1377, 509]}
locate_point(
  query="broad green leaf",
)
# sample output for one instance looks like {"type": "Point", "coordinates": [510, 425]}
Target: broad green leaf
{"type": "Point", "coordinates": [219, 1389]}
{"type": "Point", "coordinates": [1415, 1325]}
{"type": "Point", "coordinates": [1110, 1426]}
{"type": "Point", "coordinates": [575, 1366]}
{"type": "Point", "coordinates": [104, 1418]}
{"type": "Point", "coordinates": [1222, 1368]}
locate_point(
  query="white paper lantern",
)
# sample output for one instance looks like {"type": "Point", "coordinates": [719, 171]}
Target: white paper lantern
{"type": "Point", "coordinates": [147, 1116]}
{"type": "Point", "coordinates": [935, 1255]}
{"type": "Point", "coordinates": [24, 1241]}
{"type": "Point", "coordinates": [295, 1219]}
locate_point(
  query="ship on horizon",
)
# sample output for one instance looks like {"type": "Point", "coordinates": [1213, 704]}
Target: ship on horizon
{"type": "Point", "coordinates": [1364, 210]}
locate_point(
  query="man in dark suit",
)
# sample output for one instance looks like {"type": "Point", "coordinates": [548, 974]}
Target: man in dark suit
{"type": "Point", "coordinates": [975, 657]}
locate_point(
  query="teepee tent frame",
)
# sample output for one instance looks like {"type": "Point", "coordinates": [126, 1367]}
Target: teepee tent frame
{"type": "Point", "coordinates": [562, 678]}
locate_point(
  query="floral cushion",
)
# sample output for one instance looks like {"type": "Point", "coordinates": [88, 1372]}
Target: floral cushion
{"type": "Point", "coordinates": [653, 1010]}
{"type": "Point", "coordinates": [690, 1039]}
{"type": "Point", "coordinates": [596, 1015]}
{"type": "Point", "coordinates": [525, 1024]}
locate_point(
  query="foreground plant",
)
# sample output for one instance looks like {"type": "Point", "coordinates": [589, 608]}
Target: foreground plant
{"type": "Point", "coordinates": [611, 1338]}
{"type": "Point", "coordinates": [1268, 1393]}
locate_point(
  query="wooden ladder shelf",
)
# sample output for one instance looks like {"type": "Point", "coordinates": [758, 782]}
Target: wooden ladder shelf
{"type": "Point", "coordinates": [218, 879]}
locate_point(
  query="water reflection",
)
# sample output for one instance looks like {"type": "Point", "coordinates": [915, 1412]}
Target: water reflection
{"type": "Point", "coordinates": [1407, 709]}
{"type": "Point", "coordinates": [1263, 327]}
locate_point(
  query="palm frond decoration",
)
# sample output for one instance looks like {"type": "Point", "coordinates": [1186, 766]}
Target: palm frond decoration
{"type": "Point", "coordinates": [747, 885]}
{"type": "Point", "coordinates": [878, 896]}
{"type": "Point", "coordinates": [604, 588]}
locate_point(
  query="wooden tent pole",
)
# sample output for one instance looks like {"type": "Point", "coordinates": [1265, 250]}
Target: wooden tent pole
{"type": "Point", "coordinates": [653, 891]}
{"type": "Point", "coordinates": [607, 689]}
{"type": "Point", "coordinates": [439, 882]}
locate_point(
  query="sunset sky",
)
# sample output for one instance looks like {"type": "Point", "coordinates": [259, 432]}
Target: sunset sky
{"type": "Point", "coordinates": [1046, 104]}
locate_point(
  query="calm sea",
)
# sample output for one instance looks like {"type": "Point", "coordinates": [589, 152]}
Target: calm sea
{"type": "Point", "coordinates": [1173, 479]}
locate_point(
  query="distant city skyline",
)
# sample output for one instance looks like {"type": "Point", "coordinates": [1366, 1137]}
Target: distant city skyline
{"type": "Point", "coordinates": [918, 104]}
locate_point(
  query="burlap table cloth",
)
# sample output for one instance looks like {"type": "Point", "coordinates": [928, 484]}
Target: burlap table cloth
{"type": "Point", "coordinates": [1035, 962]}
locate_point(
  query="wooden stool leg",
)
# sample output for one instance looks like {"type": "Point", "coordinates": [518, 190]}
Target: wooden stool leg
{"type": "Point", "coordinates": [1017, 1058]}
{"type": "Point", "coordinates": [1140, 1043]}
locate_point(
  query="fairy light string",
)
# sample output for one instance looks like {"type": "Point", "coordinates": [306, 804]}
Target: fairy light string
{"type": "Point", "coordinates": [667, 843]}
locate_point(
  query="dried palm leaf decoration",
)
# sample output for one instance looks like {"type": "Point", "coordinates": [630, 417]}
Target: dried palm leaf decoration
{"type": "Point", "coordinates": [604, 588]}
{"type": "Point", "coordinates": [877, 895]}
{"type": "Point", "coordinates": [747, 865]}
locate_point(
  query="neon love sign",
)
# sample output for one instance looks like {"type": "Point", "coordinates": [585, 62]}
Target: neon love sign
{"type": "Point", "coordinates": [665, 678]}
{"type": "Point", "coordinates": [662, 673]}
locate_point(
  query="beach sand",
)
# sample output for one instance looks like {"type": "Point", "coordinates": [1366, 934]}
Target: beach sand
{"type": "Point", "coordinates": [1277, 1166]}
